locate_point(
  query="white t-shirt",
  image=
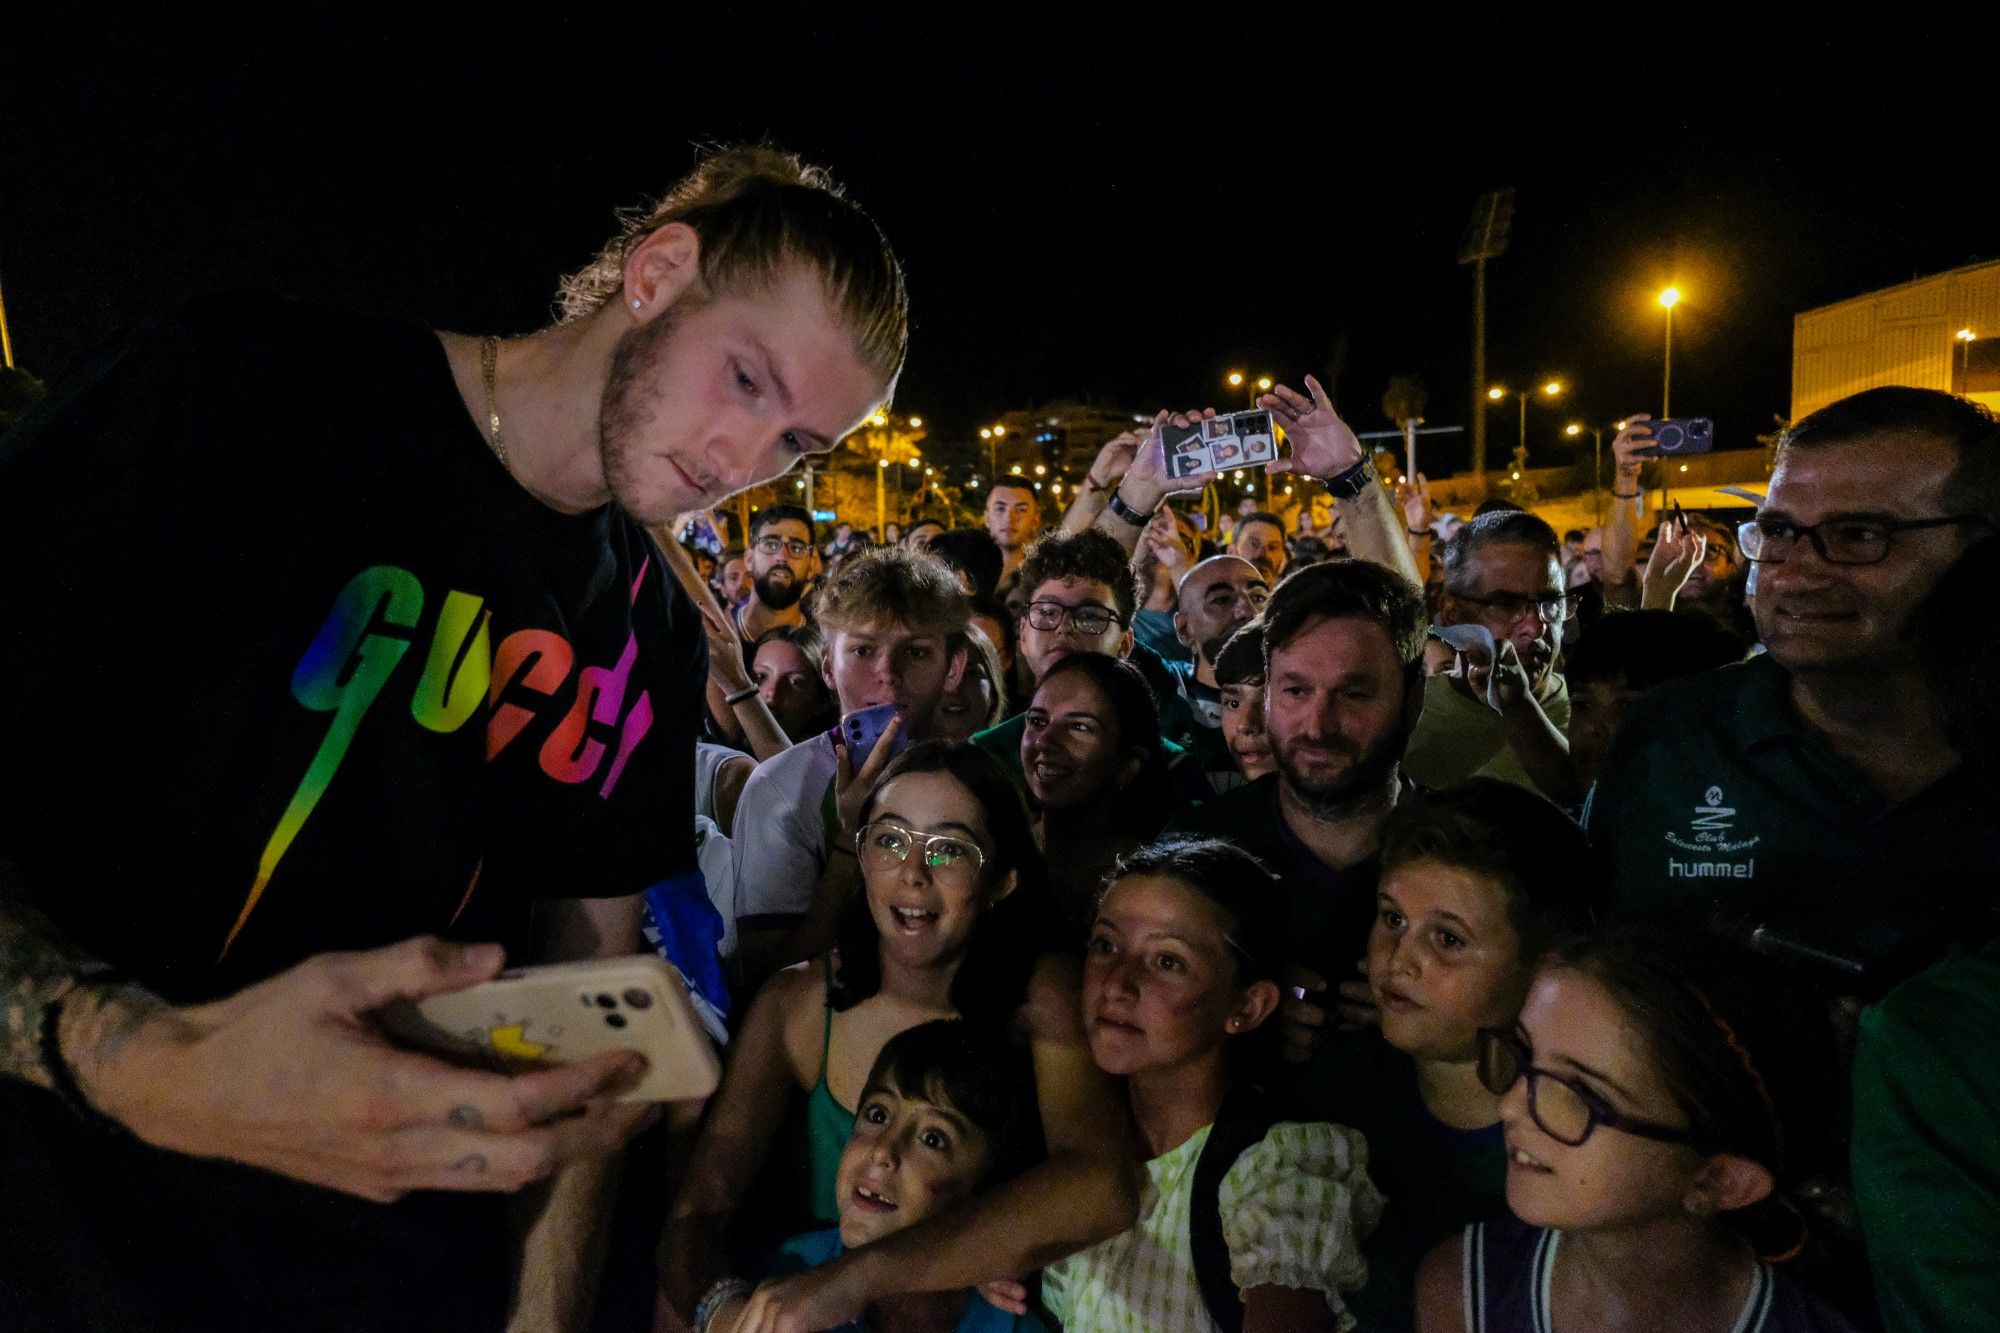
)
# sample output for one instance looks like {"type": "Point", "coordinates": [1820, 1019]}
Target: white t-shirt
{"type": "Point", "coordinates": [779, 836]}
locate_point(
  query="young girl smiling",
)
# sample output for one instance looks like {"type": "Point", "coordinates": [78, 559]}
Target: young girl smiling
{"type": "Point", "coordinates": [949, 924]}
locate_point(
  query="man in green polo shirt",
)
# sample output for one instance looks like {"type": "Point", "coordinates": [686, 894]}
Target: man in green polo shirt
{"type": "Point", "coordinates": [1810, 796]}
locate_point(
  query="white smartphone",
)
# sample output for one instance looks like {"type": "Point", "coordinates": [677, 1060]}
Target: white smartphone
{"type": "Point", "coordinates": [531, 1017]}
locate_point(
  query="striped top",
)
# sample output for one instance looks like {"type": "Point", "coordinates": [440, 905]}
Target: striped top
{"type": "Point", "coordinates": [1509, 1273]}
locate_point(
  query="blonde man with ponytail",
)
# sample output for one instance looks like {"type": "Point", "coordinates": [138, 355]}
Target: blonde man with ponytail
{"type": "Point", "coordinates": [428, 679]}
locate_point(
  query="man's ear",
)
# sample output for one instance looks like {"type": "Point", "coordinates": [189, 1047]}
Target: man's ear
{"type": "Point", "coordinates": [1181, 631]}
{"type": "Point", "coordinates": [1125, 642]}
{"type": "Point", "coordinates": [662, 268]}
{"type": "Point", "coordinates": [1727, 1182]}
{"type": "Point", "coordinates": [826, 667]}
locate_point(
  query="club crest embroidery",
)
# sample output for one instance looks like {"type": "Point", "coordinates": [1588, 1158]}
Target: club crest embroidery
{"type": "Point", "coordinates": [1711, 836]}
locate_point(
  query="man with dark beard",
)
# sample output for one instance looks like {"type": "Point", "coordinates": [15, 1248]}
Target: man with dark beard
{"type": "Point", "coordinates": [1343, 652]}
{"type": "Point", "coordinates": [784, 556]}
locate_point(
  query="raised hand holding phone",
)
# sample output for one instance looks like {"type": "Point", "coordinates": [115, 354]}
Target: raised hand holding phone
{"type": "Point", "coordinates": [1322, 444]}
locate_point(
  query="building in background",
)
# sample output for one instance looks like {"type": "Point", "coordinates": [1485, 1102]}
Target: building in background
{"type": "Point", "coordinates": [1940, 332]}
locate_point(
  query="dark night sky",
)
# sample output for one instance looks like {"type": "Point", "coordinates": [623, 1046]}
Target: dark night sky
{"type": "Point", "coordinates": [1087, 203]}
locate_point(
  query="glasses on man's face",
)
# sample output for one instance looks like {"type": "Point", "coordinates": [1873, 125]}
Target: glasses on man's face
{"type": "Point", "coordinates": [1089, 618]}
{"type": "Point", "coordinates": [885, 846]}
{"type": "Point", "coordinates": [1839, 541]}
{"type": "Point", "coordinates": [770, 544]}
{"type": "Point", "coordinates": [1564, 1109]}
{"type": "Point", "coordinates": [1510, 607]}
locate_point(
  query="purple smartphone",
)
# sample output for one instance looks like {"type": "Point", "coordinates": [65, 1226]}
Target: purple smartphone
{"type": "Point", "coordinates": [860, 731]}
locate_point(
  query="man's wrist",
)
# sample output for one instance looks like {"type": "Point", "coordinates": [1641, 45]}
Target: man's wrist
{"type": "Point", "coordinates": [91, 1027]}
{"type": "Point", "coordinates": [1352, 481]}
{"type": "Point", "coordinates": [1137, 515]}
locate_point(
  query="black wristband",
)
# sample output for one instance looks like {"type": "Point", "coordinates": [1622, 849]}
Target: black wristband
{"type": "Point", "coordinates": [1353, 481]}
{"type": "Point", "coordinates": [1625, 495]}
{"type": "Point", "coordinates": [1116, 504]}
{"type": "Point", "coordinates": [1418, 532]}
{"type": "Point", "coordinates": [741, 696]}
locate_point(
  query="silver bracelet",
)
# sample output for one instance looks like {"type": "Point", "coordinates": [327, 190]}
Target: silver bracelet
{"type": "Point", "coordinates": [719, 1295]}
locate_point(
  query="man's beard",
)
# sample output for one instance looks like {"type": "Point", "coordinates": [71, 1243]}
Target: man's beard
{"type": "Point", "coordinates": [778, 596]}
{"type": "Point", "coordinates": [1212, 648]}
{"type": "Point", "coordinates": [1367, 775]}
{"type": "Point", "coordinates": [621, 415]}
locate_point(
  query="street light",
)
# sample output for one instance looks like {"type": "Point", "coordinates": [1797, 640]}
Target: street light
{"type": "Point", "coordinates": [916, 422]}
{"type": "Point", "coordinates": [1965, 337]}
{"type": "Point", "coordinates": [1668, 299]}
{"type": "Point", "coordinates": [1549, 389]}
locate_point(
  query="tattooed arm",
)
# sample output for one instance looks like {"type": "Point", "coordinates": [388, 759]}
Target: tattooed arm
{"type": "Point", "coordinates": [291, 1076]}
{"type": "Point", "coordinates": [39, 969]}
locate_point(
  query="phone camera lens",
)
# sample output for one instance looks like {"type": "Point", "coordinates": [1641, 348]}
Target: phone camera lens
{"type": "Point", "coordinates": [639, 999]}
{"type": "Point", "coordinates": [615, 1020]}
{"type": "Point", "coordinates": [606, 1002]}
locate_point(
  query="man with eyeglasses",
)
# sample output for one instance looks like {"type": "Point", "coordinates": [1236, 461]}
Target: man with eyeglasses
{"type": "Point", "coordinates": [1809, 798]}
{"type": "Point", "coordinates": [1080, 597]}
{"type": "Point", "coordinates": [783, 558]}
{"type": "Point", "coordinates": [1507, 719]}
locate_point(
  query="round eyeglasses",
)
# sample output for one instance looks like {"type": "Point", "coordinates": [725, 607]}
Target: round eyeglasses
{"type": "Point", "coordinates": [884, 846]}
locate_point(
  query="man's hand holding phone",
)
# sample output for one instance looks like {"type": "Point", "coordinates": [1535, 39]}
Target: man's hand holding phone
{"type": "Point", "coordinates": [1322, 444]}
{"type": "Point", "coordinates": [293, 1076]}
{"type": "Point", "coordinates": [1149, 480]}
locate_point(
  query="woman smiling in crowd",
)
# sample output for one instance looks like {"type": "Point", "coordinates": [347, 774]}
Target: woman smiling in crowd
{"type": "Point", "coordinates": [1094, 764]}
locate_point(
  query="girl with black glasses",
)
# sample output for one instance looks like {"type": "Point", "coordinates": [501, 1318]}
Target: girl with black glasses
{"type": "Point", "coordinates": [1668, 1109]}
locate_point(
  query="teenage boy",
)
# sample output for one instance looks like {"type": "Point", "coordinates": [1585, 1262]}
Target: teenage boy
{"type": "Point", "coordinates": [424, 670]}
{"type": "Point", "coordinates": [889, 617]}
{"type": "Point", "coordinates": [783, 560]}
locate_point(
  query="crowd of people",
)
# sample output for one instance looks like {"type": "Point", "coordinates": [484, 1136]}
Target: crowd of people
{"type": "Point", "coordinates": [1413, 922]}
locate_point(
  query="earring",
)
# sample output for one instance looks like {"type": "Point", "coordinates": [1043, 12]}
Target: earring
{"type": "Point", "coordinates": [636, 303]}
{"type": "Point", "coordinates": [1234, 1024]}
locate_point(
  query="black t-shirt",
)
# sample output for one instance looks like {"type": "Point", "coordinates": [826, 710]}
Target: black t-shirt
{"type": "Point", "coordinates": [1328, 911]}
{"type": "Point", "coordinates": [292, 665]}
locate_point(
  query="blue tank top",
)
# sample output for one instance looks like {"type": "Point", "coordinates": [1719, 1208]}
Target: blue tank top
{"type": "Point", "coordinates": [1509, 1270]}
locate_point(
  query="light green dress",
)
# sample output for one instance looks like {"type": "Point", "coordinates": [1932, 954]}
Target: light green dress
{"type": "Point", "coordinates": [1294, 1207]}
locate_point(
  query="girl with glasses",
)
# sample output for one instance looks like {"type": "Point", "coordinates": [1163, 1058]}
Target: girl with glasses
{"type": "Point", "coordinates": [951, 922]}
{"type": "Point", "coordinates": [1669, 1110]}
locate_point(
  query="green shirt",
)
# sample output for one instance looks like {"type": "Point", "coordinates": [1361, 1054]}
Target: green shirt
{"type": "Point", "coordinates": [1717, 803]}
{"type": "Point", "coordinates": [1459, 737]}
{"type": "Point", "coordinates": [1437, 1179]}
{"type": "Point", "coordinates": [1927, 1146]}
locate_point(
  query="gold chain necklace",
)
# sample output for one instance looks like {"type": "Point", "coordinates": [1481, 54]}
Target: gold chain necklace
{"type": "Point", "coordinates": [489, 357]}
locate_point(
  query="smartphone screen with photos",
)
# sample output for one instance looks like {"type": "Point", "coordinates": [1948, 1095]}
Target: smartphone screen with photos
{"type": "Point", "coordinates": [1188, 453]}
